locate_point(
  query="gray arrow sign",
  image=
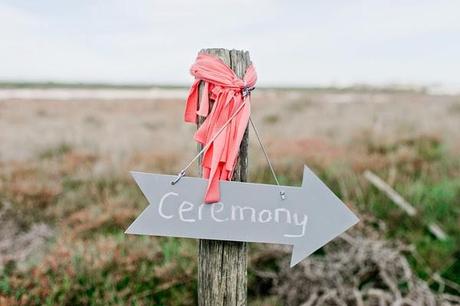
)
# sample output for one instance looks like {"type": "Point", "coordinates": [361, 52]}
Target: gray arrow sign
{"type": "Point", "coordinates": [308, 218]}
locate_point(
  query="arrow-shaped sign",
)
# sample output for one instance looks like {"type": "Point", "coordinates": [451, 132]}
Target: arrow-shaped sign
{"type": "Point", "coordinates": [309, 216]}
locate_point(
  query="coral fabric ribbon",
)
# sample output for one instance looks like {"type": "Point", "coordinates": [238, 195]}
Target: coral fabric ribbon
{"type": "Point", "coordinates": [222, 86]}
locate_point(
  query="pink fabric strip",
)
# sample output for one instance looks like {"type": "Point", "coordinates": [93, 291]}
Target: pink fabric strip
{"type": "Point", "coordinates": [222, 86]}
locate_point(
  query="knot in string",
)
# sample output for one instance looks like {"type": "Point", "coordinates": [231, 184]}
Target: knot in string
{"type": "Point", "coordinates": [246, 91]}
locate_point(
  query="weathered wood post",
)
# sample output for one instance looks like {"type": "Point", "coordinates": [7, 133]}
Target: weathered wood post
{"type": "Point", "coordinates": [222, 265]}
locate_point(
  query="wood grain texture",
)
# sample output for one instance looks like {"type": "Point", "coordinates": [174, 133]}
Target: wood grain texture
{"type": "Point", "coordinates": [222, 265]}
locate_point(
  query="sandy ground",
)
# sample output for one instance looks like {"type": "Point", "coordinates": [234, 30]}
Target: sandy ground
{"type": "Point", "coordinates": [121, 127]}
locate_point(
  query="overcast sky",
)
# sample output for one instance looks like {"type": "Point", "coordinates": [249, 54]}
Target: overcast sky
{"type": "Point", "coordinates": [291, 43]}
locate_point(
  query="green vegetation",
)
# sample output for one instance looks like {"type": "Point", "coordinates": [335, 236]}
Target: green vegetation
{"type": "Point", "coordinates": [91, 261]}
{"type": "Point", "coordinates": [423, 172]}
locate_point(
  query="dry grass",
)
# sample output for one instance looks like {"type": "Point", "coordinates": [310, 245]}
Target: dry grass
{"type": "Point", "coordinates": [65, 165]}
{"type": "Point", "coordinates": [352, 271]}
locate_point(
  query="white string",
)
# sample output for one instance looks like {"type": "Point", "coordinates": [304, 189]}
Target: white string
{"type": "Point", "coordinates": [182, 172]}
{"type": "Point", "coordinates": [282, 193]}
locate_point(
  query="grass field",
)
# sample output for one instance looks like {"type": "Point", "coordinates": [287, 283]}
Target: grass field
{"type": "Point", "coordinates": [66, 196]}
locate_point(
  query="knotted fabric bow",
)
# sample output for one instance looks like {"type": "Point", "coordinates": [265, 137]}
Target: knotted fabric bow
{"type": "Point", "coordinates": [228, 92]}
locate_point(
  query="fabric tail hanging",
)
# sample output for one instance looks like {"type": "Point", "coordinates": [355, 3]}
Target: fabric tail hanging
{"type": "Point", "coordinates": [231, 96]}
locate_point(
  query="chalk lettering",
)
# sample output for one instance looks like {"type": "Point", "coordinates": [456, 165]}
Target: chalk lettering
{"type": "Point", "coordinates": [236, 208]}
{"type": "Point", "coordinates": [303, 224]}
{"type": "Point", "coordinates": [277, 215]}
{"type": "Point", "coordinates": [190, 212]}
{"type": "Point", "coordinates": [183, 209]}
{"type": "Point", "coordinates": [160, 206]}
{"type": "Point", "coordinates": [200, 209]}
{"type": "Point", "coordinates": [214, 210]}
{"type": "Point", "coordinates": [268, 218]}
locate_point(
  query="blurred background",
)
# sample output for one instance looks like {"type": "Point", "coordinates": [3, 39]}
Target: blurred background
{"type": "Point", "coordinates": [365, 93]}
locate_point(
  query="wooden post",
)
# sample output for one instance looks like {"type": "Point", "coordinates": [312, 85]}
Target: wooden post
{"type": "Point", "coordinates": [222, 265]}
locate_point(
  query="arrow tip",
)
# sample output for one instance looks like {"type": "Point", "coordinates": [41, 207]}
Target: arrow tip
{"type": "Point", "coordinates": [328, 208]}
